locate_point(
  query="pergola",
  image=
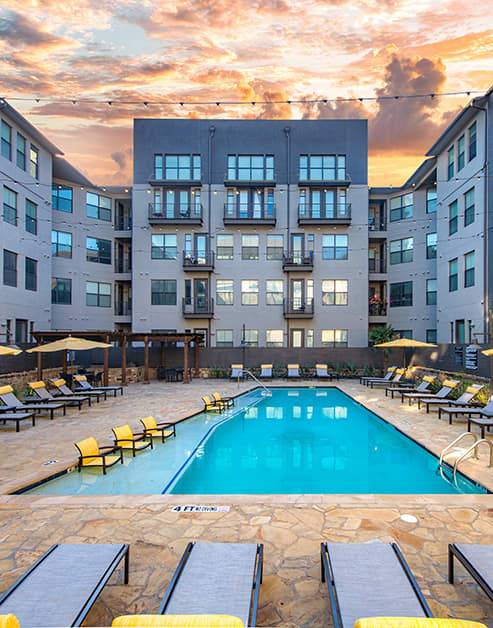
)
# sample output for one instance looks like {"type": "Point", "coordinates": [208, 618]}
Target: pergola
{"type": "Point", "coordinates": [123, 338]}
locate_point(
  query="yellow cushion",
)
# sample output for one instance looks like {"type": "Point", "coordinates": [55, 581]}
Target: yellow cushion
{"type": "Point", "coordinates": [429, 378]}
{"type": "Point", "coordinates": [98, 461]}
{"type": "Point", "coordinates": [450, 383]}
{"type": "Point", "coordinates": [412, 622]}
{"type": "Point", "coordinates": [293, 366]}
{"type": "Point", "coordinates": [266, 366]}
{"type": "Point", "coordinates": [37, 385]}
{"type": "Point", "coordinates": [322, 366]}
{"type": "Point", "coordinates": [149, 423]}
{"type": "Point", "coordinates": [59, 382]}
{"type": "Point", "coordinates": [237, 366]}
{"type": "Point", "coordinates": [207, 400]}
{"type": "Point", "coordinates": [473, 390]}
{"type": "Point", "coordinates": [3, 391]}
{"type": "Point", "coordinates": [123, 432]}
{"type": "Point", "coordinates": [81, 378]}
{"type": "Point", "coordinates": [391, 369]}
{"type": "Point", "coordinates": [217, 396]}
{"type": "Point", "coordinates": [88, 447]}
{"type": "Point", "coordinates": [11, 621]}
{"type": "Point", "coordinates": [400, 371]}
{"type": "Point", "coordinates": [177, 621]}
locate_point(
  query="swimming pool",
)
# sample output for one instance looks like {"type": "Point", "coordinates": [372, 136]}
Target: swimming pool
{"type": "Point", "coordinates": [294, 441]}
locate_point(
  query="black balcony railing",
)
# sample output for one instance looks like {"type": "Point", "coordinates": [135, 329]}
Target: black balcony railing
{"type": "Point", "coordinates": [294, 261]}
{"type": "Point", "coordinates": [123, 308]}
{"type": "Point", "coordinates": [377, 308]}
{"type": "Point", "coordinates": [123, 223]}
{"type": "Point", "coordinates": [377, 223]}
{"type": "Point", "coordinates": [339, 212]}
{"type": "Point", "coordinates": [123, 266]}
{"type": "Point", "coordinates": [197, 260]}
{"type": "Point", "coordinates": [162, 213]}
{"type": "Point", "coordinates": [249, 213]}
{"type": "Point", "coordinates": [377, 265]}
{"type": "Point", "coordinates": [298, 307]}
{"type": "Point", "coordinates": [198, 307]}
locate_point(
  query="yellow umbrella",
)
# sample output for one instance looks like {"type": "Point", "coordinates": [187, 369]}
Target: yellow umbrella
{"type": "Point", "coordinates": [487, 352]}
{"type": "Point", "coordinates": [9, 351]}
{"type": "Point", "coordinates": [404, 343]}
{"type": "Point", "coordinates": [70, 343]}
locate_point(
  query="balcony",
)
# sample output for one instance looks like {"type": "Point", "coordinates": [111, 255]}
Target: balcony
{"type": "Point", "coordinates": [298, 308]}
{"type": "Point", "coordinates": [176, 215]}
{"type": "Point", "coordinates": [123, 266]}
{"type": "Point", "coordinates": [339, 214]}
{"type": "Point", "coordinates": [377, 225]}
{"type": "Point", "coordinates": [377, 265]}
{"type": "Point", "coordinates": [297, 262]}
{"type": "Point", "coordinates": [198, 261]}
{"type": "Point", "coordinates": [175, 183]}
{"type": "Point", "coordinates": [325, 183]}
{"type": "Point", "coordinates": [198, 307]}
{"type": "Point", "coordinates": [123, 308]}
{"type": "Point", "coordinates": [249, 183]}
{"type": "Point", "coordinates": [123, 223]}
{"type": "Point", "coordinates": [377, 310]}
{"type": "Point", "coordinates": [249, 215]}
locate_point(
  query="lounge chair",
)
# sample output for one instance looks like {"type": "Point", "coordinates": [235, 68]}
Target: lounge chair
{"type": "Point", "coordinates": [394, 382]}
{"type": "Point", "coordinates": [484, 411]}
{"type": "Point", "coordinates": [422, 388]}
{"type": "Point", "coordinates": [266, 371]}
{"type": "Point", "coordinates": [464, 400]}
{"type": "Point", "coordinates": [40, 390]}
{"type": "Point", "coordinates": [17, 417]}
{"type": "Point", "coordinates": [369, 580]}
{"type": "Point", "coordinates": [236, 371]}
{"type": "Point", "coordinates": [126, 439]}
{"type": "Point", "coordinates": [294, 371]}
{"type": "Point", "coordinates": [61, 385]}
{"type": "Point", "coordinates": [61, 587]}
{"type": "Point", "coordinates": [477, 559]}
{"type": "Point", "coordinates": [14, 404]}
{"type": "Point", "coordinates": [387, 378]}
{"type": "Point", "coordinates": [92, 455]}
{"type": "Point", "coordinates": [322, 371]}
{"type": "Point", "coordinates": [447, 387]}
{"type": "Point", "coordinates": [227, 402]}
{"type": "Point", "coordinates": [164, 430]}
{"type": "Point", "coordinates": [83, 384]}
{"type": "Point", "coordinates": [210, 405]}
{"type": "Point", "coordinates": [62, 388]}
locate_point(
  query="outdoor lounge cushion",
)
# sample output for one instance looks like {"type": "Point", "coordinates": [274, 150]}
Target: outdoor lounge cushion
{"type": "Point", "coordinates": [177, 621]}
{"type": "Point", "coordinates": [414, 622]}
{"type": "Point", "coordinates": [8, 621]}
{"type": "Point", "coordinates": [89, 448]}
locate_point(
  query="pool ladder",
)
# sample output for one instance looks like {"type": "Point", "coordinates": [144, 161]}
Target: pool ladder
{"type": "Point", "coordinates": [267, 391]}
{"type": "Point", "coordinates": [472, 448]}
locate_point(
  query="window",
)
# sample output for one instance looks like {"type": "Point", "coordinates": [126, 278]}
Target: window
{"type": "Point", "coordinates": [251, 167]}
{"type": "Point", "coordinates": [431, 292]}
{"type": "Point", "coordinates": [431, 200]}
{"type": "Point", "coordinates": [250, 203]}
{"type": "Point", "coordinates": [401, 207]}
{"type": "Point", "coordinates": [98, 206]}
{"type": "Point", "coordinates": [98, 251]}
{"type": "Point", "coordinates": [178, 167]}
{"type": "Point", "coordinates": [224, 247]}
{"type": "Point", "coordinates": [61, 244]}
{"type": "Point", "coordinates": [6, 140]}
{"type": "Point", "coordinates": [401, 294]}
{"type": "Point", "coordinates": [469, 207]}
{"type": "Point", "coordinates": [334, 337]}
{"type": "Point", "coordinates": [158, 167]}
{"type": "Point", "coordinates": [274, 291]}
{"type": "Point", "coordinates": [335, 247]}
{"type": "Point", "coordinates": [453, 221]}
{"type": "Point", "coordinates": [322, 167]}
{"type": "Point", "coordinates": [431, 335]}
{"type": "Point", "coordinates": [275, 246]}
{"type": "Point", "coordinates": [10, 206]}
{"type": "Point", "coordinates": [98, 294]}
{"type": "Point", "coordinates": [224, 338]}
{"type": "Point", "coordinates": [401, 251]}
{"type": "Point", "coordinates": [163, 292]}
{"type": "Point", "coordinates": [34, 162]}
{"type": "Point", "coordinates": [20, 330]}
{"type": "Point", "coordinates": [61, 291]}
{"type": "Point", "coordinates": [164, 246]}
{"type": "Point", "coordinates": [404, 333]}
{"type": "Point", "coordinates": [224, 292]}
{"type": "Point", "coordinates": [334, 292]}
{"type": "Point", "coordinates": [469, 269]}
{"type": "Point", "coordinates": [31, 217]}
{"type": "Point", "coordinates": [249, 246]}
{"type": "Point", "coordinates": [251, 337]}
{"type": "Point", "coordinates": [9, 268]}
{"type": "Point", "coordinates": [461, 152]}
{"type": "Point", "coordinates": [61, 197]}
{"type": "Point", "coordinates": [309, 338]}
{"type": "Point", "coordinates": [20, 152]}
{"type": "Point", "coordinates": [450, 162]}
{"type": "Point", "coordinates": [473, 140]}
{"type": "Point", "coordinates": [274, 338]}
{"type": "Point", "coordinates": [31, 274]}
{"type": "Point", "coordinates": [249, 292]}
{"type": "Point", "coordinates": [453, 275]}
{"type": "Point", "coordinates": [431, 245]}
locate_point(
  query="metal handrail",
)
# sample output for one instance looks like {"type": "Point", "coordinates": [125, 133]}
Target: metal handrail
{"type": "Point", "coordinates": [253, 377]}
{"type": "Point", "coordinates": [450, 445]}
{"type": "Point", "coordinates": [471, 448]}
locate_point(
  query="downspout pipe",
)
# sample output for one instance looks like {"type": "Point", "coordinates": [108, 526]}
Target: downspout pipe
{"type": "Point", "coordinates": [212, 130]}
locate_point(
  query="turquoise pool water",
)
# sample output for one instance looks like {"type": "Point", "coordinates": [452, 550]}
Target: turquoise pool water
{"type": "Point", "coordinates": [316, 440]}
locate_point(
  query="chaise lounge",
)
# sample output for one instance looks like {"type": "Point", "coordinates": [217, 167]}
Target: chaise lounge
{"type": "Point", "coordinates": [447, 387]}
{"type": "Point", "coordinates": [463, 401]}
{"type": "Point", "coordinates": [61, 385]}
{"type": "Point", "coordinates": [84, 385]}
{"type": "Point", "coordinates": [40, 390]}
{"type": "Point", "coordinates": [388, 376]}
{"type": "Point", "coordinates": [422, 388]}
{"type": "Point", "coordinates": [14, 404]}
{"type": "Point", "coordinates": [394, 382]}
{"type": "Point", "coordinates": [294, 371]}
{"type": "Point", "coordinates": [266, 371]}
{"type": "Point", "coordinates": [477, 559]}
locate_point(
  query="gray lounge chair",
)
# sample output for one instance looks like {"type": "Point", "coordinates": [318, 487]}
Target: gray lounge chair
{"type": "Point", "coordinates": [84, 386]}
{"type": "Point", "coordinates": [369, 580]}
{"type": "Point", "coordinates": [388, 376]}
{"type": "Point", "coordinates": [42, 393]}
{"type": "Point", "coordinates": [294, 371]}
{"type": "Point", "coordinates": [464, 400]}
{"type": "Point", "coordinates": [61, 587]}
{"type": "Point", "coordinates": [422, 388]}
{"type": "Point", "coordinates": [266, 372]}
{"type": "Point", "coordinates": [322, 371]}
{"type": "Point", "coordinates": [447, 387]}
{"type": "Point", "coordinates": [61, 385]}
{"type": "Point", "coordinates": [216, 579]}
{"type": "Point", "coordinates": [13, 403]}
{"type": "Point", "coordinates": [484, 411]}
{"type": "Point", "coordinates": [394, 382]}
{"type": "Point", "coordinates": [17, 417]}
{"type": "Point", "coordinates": [236, 371]}
{"type": "Point", "coordinates": [477, 559]}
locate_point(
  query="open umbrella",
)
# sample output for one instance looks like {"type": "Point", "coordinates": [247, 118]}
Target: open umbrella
{"type": "Point", "coordinates": [70, 343]}
{"type": "Point", "coordinates": [10, 351]}
{"type": "Point", "coordinates": [404, 343]}
{"type": "Point", "coordinates": [487, 352]}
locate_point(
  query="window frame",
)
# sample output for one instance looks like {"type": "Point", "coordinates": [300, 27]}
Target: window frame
{"type": "Point", "coordinates": [220, 293]}
{"type": "Point", "coordinates": [334, 342]}
{"type": "Point", "coordinates": [405, 298]}
{"type": "Point", "coordinates": [401, 255]}
{"type": "Point", "coordinates": [56, 198]}
{"type": "Point", "coordinates": [279, 250]}
{"type": "Point", "coordinates": [57, 244]}
{"type": "Point", "coordinates": [224, 343]}
{"type": "Point", "coordinates": [245, 292]}
{"type": "Point", "coordinates": [33, 162]}
{"type": "Point", "coordinates": [335, 252]}
{"type": "Point", "coordinates": [331, 294]}
{"type": "Point", "coordinates": [10, 268]}
{"type": "Point", "coordinates": [431, 203]}
{"type": "Point", "coordinates": [469, 271]}
{"type": "Point", "coordinates": [219, 247]}
{"type": "Point", "coordinates": [244, 249]}
{"type": "Point", "coordinates": [234, 167]}
{"type": "Point", "coordinates": [469, 210]}
{"type": "Point", "coordinates": [431, 300]}
{"type": "Point", "coordinates": [164, 292]}
{"type": "Point", "coordinates": [453, 277]}
{"type": "Point", "coordinates": [6, 144]}
{"type": "Point", "coordinates": [31, 221]}
{"type": "Point", "coordinates": [327, 171]}
{"type": "Point", "coordinates": [274, 297]}
{"type": "Point", "coordinates": [274, 343]}
{"type": "Point", "coordinates": [97, 257]}
{"type": "Point", "coordinates": [20, 155]}
{"type": "Point", "coordinates": [99, 295]}
{"type": "Point", "coordinates": [473, 140]}
{"type": "Point", "coordinates": [450, 163]}
{"type": "Point", "coordinates": [160, 251]}
{"type": "Point", "coordinates": [10, 208]}
{"type": "Point", "coordinates": [401, 211]}
{"type": "Point", "coordinates": [431, 248]}
{"type": "Point", "coordinates": [453, 218]}
{"type": "Point", "coordinates": [101, 210]}
{"type": "Point", "coordinates": [55, 293]}
{"type": "Point", "coordinates": [30, 275]}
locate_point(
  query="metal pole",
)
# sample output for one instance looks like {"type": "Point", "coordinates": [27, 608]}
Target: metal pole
{"type": "Point", "coordinates": [243, 345]}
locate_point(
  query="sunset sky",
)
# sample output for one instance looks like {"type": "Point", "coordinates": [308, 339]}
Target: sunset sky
{"type": "Point", "coordinates": [196, 50]}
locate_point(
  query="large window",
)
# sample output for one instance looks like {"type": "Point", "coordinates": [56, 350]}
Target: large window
{"type": "Point", "coordinates": [98, 250]}
{"type": "Point", "coordinates": [431, 245]}
{"type": "Point", "coordinates": [9, 268]}
{"type": "Point", "coordinates": [334, 337]}
{"type": "Point", "coordinates": [31, 274]}
{"type": "Point", "coordinates": [31, 217]}
{"type": "Point", "coordinates": [401, 207]}
{"type": "Point", "coordinates": [249, 292]}
{"type": "Point", "coordinates": [469, 207]}
{"type": "Point", "coordinates": [401, 294]}
{"type": "Point", "coordinates": [61, 291]}
{"type": "Point", "coordinates": [251, 167]}
{"type": "Point", "coordinates": [163, 292]}
{"type": "Point", "coordinates": [334, 292]}
{"type": "Point", "coordinates": [224, 338]}
{"type": "Point", "coordinates": [274, 338]}
{"type": "Point", "coordinates": [431, 292]}
{"type": "Point", "coordinates": [249, 246]}
{"type": "Point", "coordinates": [453, 220]}
{"type": "Point", "coordinates": [431, 200]}
{"type": "Point", "coordinates": [6, 140]}
{"type": "Point", "coordinates": [431, 335]}
{"type": "Point", "coordinates": [401, 251]}
{"type": "Point", "coordinates": [322, 167]}
{"type": "Point", "coordinates": [251, 337]}
{"type": "Point", "coordinates": [34, 162]}
{"type": "Point", "coordinates": [473, 150]}
{"type": "Point", "coordinates": [469, 269]}
{"type": "Point", "coordinates": [61, 197]}
{"type": "Point", "coordinates": [224, 246]}
{"type": "Point", "coordinates": [98, 206]}
{"type": "Point", "coordinates": [275, 246]}
{"type": "Point", "coordinates": [450, 162]}
{"type": "Point", "coordinates": [20, 151]}
{"type": "Point", "coordinates": [335, 247]}
{"type": "Point", "coordinates": [461, 152]}
{"type": "Point", "coordinates": [224, 292]}
{"type": "Point", "coordinates": [250, 203]}
{"type": "Point", "coordinates": [98, 294]}
{"type": "Point", "coordinates": [453, 275]}
{"type": "Point", "coordinates": [177, 167]}
{"type": "Point", "coordinates": [10, 206]}
{"type": "Point", "coordinates": [164, 246]}
{"type": "Point", "coordinates": [61, 244]}
{"type": "Point", "coordinates": [274, 291]}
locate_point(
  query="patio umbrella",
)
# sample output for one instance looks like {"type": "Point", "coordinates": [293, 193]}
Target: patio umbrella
{"type": "Point", "coordinates": [70, 343]}
{"type": "Point", "coordinates": [10, 351]}
{"type": "Point", "coordinates": [487, 352]}
{"type": "Point", "coordinates": [404, 343]}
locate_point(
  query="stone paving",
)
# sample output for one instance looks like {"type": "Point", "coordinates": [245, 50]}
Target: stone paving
{"type": "Point", "coordinates": [291, 527]}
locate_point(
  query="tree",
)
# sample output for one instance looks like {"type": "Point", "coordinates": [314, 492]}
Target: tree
{"type": "Point", "coordinates": [382, 334]}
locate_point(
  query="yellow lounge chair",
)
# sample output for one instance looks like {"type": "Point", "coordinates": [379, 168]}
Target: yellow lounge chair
{"type": "Point", "coordinates": [415, 622]}
{"type": "Point", "coordinates": [126, 439]}
{"type": "Point", "coordinates": [177, 621]}
{"type": "Point", "coordinates": [210, 405]}
{"type": "Point", "coordinates": [227, 402]}
{"type": "Point", "coordinates": [92, 455]}
{"type": "Point", "coordinates": [151, 428]}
